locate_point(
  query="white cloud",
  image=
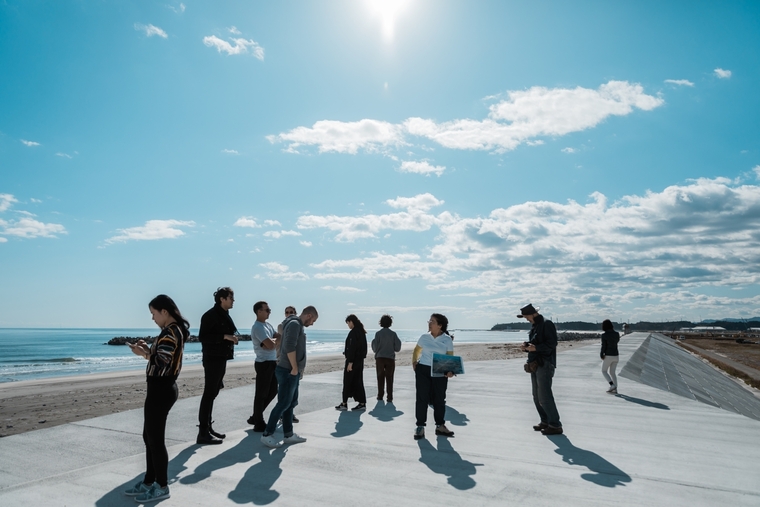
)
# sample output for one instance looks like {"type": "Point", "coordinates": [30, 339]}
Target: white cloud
{"type": "Point", "coordinates": [280, 234]}
{"type": "Point", "coordinates": [150, 30]}
{"type": "Point", "coordinates": [343, 137]}
{"type": "Point", "coordinates": [239, 46]}
{"type": "Point", "coordinates": [152, 230]}
{"type": "Point", "coordinates": [422, 167]}
{"type": "Point", "coordinates": [341, 288]}
{"type": "Point", "coordinates": [722, 74]}
{"type": "Point", "coordinates": [520, 118]}
{"type": "Point", "coordinates": [6, 201]}
{"type": "Point", "coordinates": [3, 240]}
{"type": "Point", "coordinates": [246, 222]}
{"type": "Point", "coordinates": [32, 200]}
{"type": "Point", "coordinates": [686, 238]}
{"type": "Point", "coordinates": [30, 228]}
{"type": "Point", "coordinates": [756, 169]}
{"type": "Point", "coordinates": [63, 155]}
{"type": "Point", "coordinates": [233, 30]}
{"type": "Point", "coordinates": [422, 202]}
{"type": "Point", "coordinates": [279, 271]}
{"type": "Point", "coordinates": [568, 150]}
{"type": "Point", "coordinates": [30, 143]}
{"type": "Point", "coordinates": [272, 223]}
{"type": "Point", "coordinates": [230, 152]}
{"type": "Point", "coordinates": [679, 82]}
{"type": "Point", "coordinates": [305, 243]}
{"type": "Point", "coordinates": [179, 10]}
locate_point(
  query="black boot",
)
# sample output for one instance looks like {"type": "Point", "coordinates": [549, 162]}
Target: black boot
{"type": "Point", "coordinates": [205, 438]}
{"type": "Point", "coordinates": [215, 434]}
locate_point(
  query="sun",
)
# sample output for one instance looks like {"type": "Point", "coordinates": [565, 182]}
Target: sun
{"type": "Point", "coordinates": [388, 11]}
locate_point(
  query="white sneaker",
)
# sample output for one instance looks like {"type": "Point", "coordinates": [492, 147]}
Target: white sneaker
{"type": "Point", "coordinates": [612, 390]}
{"type": "Point", "coordinates": [294, 439]}
{"type": "Point", "coordinates": [270, 441]}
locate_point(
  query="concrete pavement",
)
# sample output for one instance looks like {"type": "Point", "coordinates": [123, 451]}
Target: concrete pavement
{"type": "Point", "coordinates": [646, 446]}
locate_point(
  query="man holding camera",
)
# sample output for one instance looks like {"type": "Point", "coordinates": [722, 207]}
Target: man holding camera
{"type": "Point", "coordinates": [542, 361]}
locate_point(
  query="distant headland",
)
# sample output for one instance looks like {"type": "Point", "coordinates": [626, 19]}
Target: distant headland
{"type": "Point", "coordinates": [123, 340]}
{"type": "Point", "coordinates": [643, 326]}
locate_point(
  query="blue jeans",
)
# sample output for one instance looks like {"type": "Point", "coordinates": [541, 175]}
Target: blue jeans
{"type": "Point", "coordinates": [287, 399]}
{"type": "Point", "coordinates": [541, 381]}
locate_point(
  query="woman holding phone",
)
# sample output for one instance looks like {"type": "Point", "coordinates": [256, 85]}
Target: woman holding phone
{"type": "Point", "coordinates": [164, 364]}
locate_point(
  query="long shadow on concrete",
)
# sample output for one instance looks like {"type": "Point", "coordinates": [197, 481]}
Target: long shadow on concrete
{"type": "Point", "coordinates": [455, 417]}
{"type": "Point", "coordinates": [256, 485]}
{"type": "Point", "coordinates": [176, 466]}
{"type": "Point", "coordinates": [646, 403]}
{"type": "Point", "coordinates": [243, 452]}
{"type": "Point", "coordinates": [603, 473]}
{"type": "Point", "coordinates": [385, 412]}
{"type": "Point", "coordinates": [349, 422]}
{"type": "Point", "coordinates": [446, 461]}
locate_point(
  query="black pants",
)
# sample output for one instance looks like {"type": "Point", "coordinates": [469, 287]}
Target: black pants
{"type": "Point", "coordinates": [162, 393]}
{"type": "Point", "coordinates": [353, 382]}
{"type": "Point", "coordinates": [429, 390]}
{"type": "Point", "coordinates": [266, 390]}
{"type": "Point", "coordinates": [213, 369]}
{"type": "Point", "coordinates": [385, 367]}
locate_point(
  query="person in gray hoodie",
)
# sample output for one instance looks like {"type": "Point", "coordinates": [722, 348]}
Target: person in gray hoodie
{"type": "Point", "coordinates": [385, 345]}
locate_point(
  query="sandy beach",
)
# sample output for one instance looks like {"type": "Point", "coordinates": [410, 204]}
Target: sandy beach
{"type": "Point", "coordinates": [35, 404]}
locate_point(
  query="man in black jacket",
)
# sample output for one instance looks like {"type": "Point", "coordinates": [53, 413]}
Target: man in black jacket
{"type": "Point", "coordinates": [542, 348]}
{"type": "Point", "coordinates": [217, 336]}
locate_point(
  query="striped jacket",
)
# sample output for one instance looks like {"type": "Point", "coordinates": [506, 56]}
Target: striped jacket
{"type": "Point", "coordinates": [165, 358]}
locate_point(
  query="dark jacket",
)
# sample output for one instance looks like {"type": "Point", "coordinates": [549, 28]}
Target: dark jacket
{"type": "Point", "coordinates": [216, 323]}
{"type": "Point", "coordinates": [356, 346]}
{"type": "Point", "coordinates": [543, 335]}
{"type": "Point", "coordinates": [610, 340]}
{"type": "Point", "coordinates": [386, 344]}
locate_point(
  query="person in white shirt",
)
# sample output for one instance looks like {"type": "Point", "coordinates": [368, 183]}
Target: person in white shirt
{"type": "Point", "coordinates": [432, 389]}
{"type": "Point", "coordinates": [264, 339]}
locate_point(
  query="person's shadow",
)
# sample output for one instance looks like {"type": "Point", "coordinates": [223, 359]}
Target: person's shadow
{"type": "Point", "coordinates": [176, 466]}
{"type": "Point", "coordinates": [446, 461]}
{"type": "Point", "coordinates": [349, 422]}
{"type": "Point", "coordinates": [455, 417]}
{"type": "Point", "coordinates": [603, 473]}
{"type": "Point", "coordinates": [645, 403]}
{"type": "Point", "coordinates": [385, 412]}
{"type": "Point", "coordinates": [243, 452]}
{"type": "Point", "coordinates": [256, 484]}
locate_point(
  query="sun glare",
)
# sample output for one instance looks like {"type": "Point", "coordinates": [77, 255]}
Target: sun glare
{"type": "Point", "coordinates": [387, 11]}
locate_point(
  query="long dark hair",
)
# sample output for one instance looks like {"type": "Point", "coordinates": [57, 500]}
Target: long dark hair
{"type": "Point", "coordinates": [607, 325]}
{"type": "Point", "coordinates": [356, 322]}
{"type": "Point", "coordinates": [442, 321]}
{"type": "Point", "coordinates": [164, 302]}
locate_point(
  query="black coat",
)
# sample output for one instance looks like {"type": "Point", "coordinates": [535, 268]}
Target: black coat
{"type": "Point", "coordinates": [216, 323]}
{"type": "Point", "coordinates": [543, 335]}
{"type": "Point", "coordinates": [356, 346]}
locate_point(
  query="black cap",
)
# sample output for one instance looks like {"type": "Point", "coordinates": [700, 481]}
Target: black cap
{"type": "Point", "coordinates": [527, 310]}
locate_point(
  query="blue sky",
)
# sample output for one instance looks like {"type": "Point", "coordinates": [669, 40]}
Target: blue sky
{"type": "Point", "coordinates": [598, 159]}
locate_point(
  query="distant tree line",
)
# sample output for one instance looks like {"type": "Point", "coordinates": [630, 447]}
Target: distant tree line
{"type": "Point", "coordinates": [638, 326]}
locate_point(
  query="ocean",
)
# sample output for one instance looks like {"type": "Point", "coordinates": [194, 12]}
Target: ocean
{"type": "Point", "coordinates": [29, 354]}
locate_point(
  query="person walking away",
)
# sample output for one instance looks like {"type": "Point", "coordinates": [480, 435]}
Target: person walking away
{"type": "Point", "coordinates": [264, 339]}
{"type": "Point", "coordinates": [218, 340]}
{"type": "Point", "coordinates": [164, 364]}
{"type": "Point", "coordinates": [385, 344]}
{"type": "Point", "coordinates": [430, 389]}
{"type": "Point", "coordinates": [610, 355]}
{"type": "Point", "coordinates": [288, 372]}
{"type": "Point", "coordinates": [542, 350]}
{"type": "Point", "coordinates": [355, 351]}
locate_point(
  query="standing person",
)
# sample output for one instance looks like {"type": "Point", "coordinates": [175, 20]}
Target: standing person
{"type": "Point", "coordinates": [288, 372]}
{"type": "Point", "coordinates": [217, 336]}
{"type": "Point", "coordinates": [431, 389]}
{"type": "Point", "coordinates": [609, 354]}
{"type": "Point", "coordinates": [385, 345]}
{"type": "Point", "coordinates": [355, 351]}
{"type": "Point", "coordinates": [542, 349]}
{"type": "Point", "coordinates": [264, 339]}
{"type": "Point", "coordinates": [289, 310]}
{"type": "Point", "coordinates": [164, 364]}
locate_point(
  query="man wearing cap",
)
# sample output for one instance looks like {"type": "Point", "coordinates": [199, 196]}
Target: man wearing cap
{"type": "Point", "coordinates": [542, 349]}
